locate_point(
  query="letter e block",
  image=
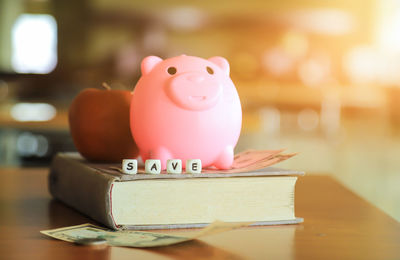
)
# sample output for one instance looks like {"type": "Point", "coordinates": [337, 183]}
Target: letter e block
{"type": "Point", "coordinates": [174, 166]}
{"type": "Point", "coordinates": [193, 166]}
{"type": "Point", "coordinates": [129, 166]}
{"type": "Point", "coordinates": [152, 166]}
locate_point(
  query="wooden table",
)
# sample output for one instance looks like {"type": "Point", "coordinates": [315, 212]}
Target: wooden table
{"type": "Point", "coordinates": [338, 225]}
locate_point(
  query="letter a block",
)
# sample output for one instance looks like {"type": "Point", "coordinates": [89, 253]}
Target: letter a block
{"type": "Point", "coordinates": [193, 166]}
{"type": "Point", "coordinates": [174, 166]}
{"type": "Point", "coordinates": [152, 166]}
{"type": "Point", "coordinates": [129, 166]}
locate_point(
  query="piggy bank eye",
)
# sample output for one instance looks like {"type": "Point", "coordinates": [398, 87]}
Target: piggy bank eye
{"type": "Point", "coordinates": [210, 70]}
{"type": "Point", "coordinates": [171, 70]}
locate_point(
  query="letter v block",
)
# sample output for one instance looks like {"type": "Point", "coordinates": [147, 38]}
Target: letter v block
{"type": "Point", "coordinates": [174, 166]}
{"type": "Point", "coordinates": [129, 166]}
{"type": "Point", "coordinates": [152, 166]}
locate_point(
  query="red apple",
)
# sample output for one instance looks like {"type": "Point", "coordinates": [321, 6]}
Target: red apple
{"type": "Point", "coordinates": [99, 125]}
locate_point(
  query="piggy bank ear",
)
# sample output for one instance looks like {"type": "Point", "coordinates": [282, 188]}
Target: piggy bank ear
{"type": "Point", "coordinates": [221, 62]}
{"type": "Point", "coordinates": [149, 63]}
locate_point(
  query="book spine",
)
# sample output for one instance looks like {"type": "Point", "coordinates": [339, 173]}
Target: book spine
{"type": "Point", "coordinates": [83, 188]}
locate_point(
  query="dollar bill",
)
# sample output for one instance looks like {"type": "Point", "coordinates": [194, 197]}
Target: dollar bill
{"type": "Point", "coordinates": [134, 238]}
{"type": "Point", "coordinates": [252, 157]}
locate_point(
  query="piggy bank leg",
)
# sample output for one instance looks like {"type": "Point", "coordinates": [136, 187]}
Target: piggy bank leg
{"type": "Point", "coordinates": [144, 155]}
{"type": "Point", "coordinates": [225, 159]}
{"type": "Point", "coordinates": [162, 154]}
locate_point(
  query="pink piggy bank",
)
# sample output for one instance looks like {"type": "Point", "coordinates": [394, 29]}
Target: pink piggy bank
{"type": "Point", "coordinates": [184, 108]}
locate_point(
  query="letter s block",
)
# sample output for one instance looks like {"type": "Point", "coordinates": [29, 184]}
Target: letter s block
{"type": "Point", "coordinates": [129, 166]}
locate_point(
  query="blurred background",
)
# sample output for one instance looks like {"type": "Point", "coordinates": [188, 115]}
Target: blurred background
{"type": "Point", "coordinates": [321, 78]}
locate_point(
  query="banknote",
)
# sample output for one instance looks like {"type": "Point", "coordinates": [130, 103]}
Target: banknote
{"type": "Point", "coordinates": [261, 163]}
{"type": "Point", "coordinates": [251, 157]}
{"type": "Point", "coordinates": [135, 238]}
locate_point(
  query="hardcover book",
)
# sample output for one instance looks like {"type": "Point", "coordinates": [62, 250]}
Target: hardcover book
{"type": "Point", "coordinates": [146, 201]}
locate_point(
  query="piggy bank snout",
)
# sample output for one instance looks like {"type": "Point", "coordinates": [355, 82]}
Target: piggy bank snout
{"type": "Point", "coordinates": [189, 77]}
{"type": "Point", "coordinates": [194, 91]}
{"type": "Point", "coordinates": [195, 78]}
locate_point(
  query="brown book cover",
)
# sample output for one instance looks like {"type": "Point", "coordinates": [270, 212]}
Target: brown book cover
{"type": "Point", "coordinates": [146, 201]}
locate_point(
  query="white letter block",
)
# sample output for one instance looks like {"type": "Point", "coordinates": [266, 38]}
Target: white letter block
{"type": "Point", "coordinates": [193, 166]}
{"type": "Point", "coordinates": [129, 166]}
{"type": "Point", "coordinates": [152, 166]}
{"type": "Point", "coordinates": [174, 166]}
